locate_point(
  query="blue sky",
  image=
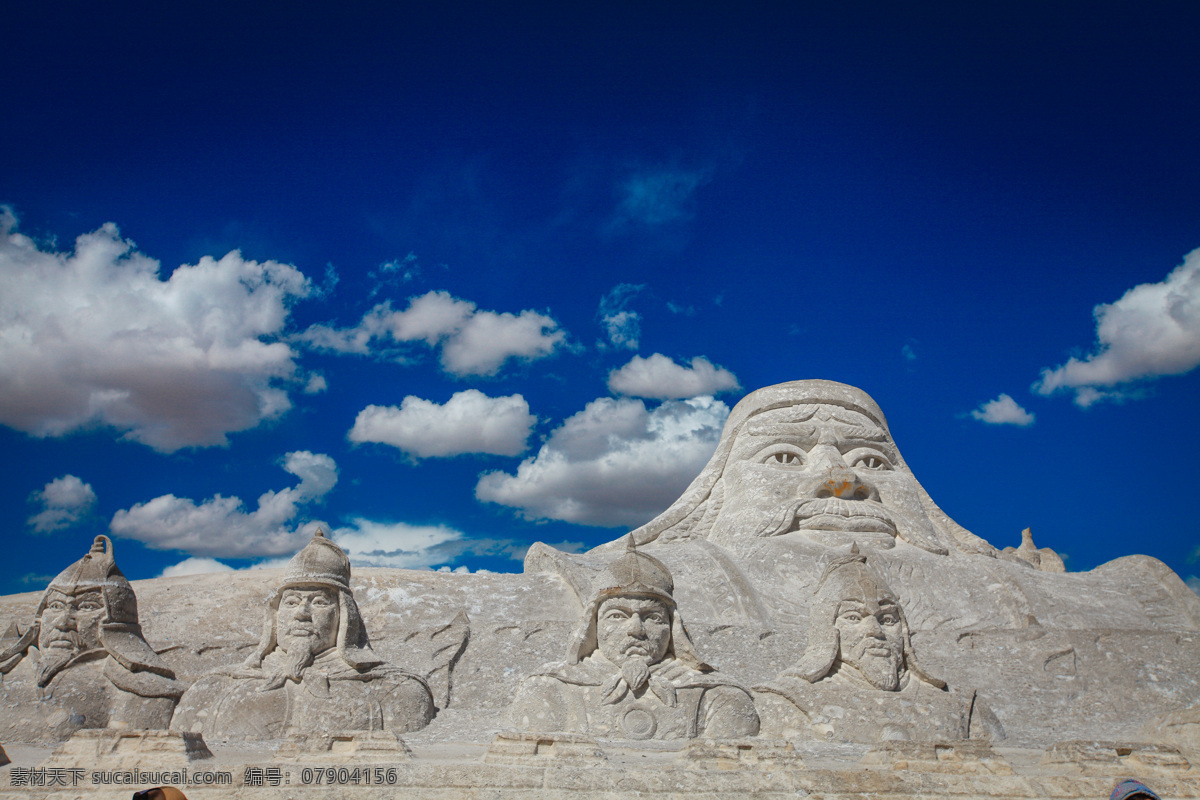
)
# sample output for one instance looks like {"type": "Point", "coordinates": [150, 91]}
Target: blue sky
{"type": "Point", "coordinates": [451, 281]}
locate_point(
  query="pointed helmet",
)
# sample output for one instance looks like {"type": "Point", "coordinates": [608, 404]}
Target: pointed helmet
{"type": "Point", "coordinates": [634, 573]}
{"type": "Point", "coordinates": [321, 563]}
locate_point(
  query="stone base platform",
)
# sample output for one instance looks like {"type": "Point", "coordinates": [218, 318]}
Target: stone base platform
{"type": "Point", "coordinates": [576, 768]}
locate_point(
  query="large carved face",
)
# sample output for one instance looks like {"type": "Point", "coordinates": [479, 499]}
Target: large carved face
{"type": "Point", "coordinates": [633, 627]}
{"type": "Point", "coordinates": [71, 623]}
{"type": "Point", "coordinates": [871, 638]}
{"type": "Point", "coordinates": [822, 472]}
{"type": "Point", "coordinates": [307, 620]}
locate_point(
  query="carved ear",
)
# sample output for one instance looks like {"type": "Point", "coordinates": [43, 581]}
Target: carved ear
{"type": "Point", "coordinates": [823, 643]}
{"type": "Point", "coordinates": [353, 642]}
{"type": "Point", "coordinates": [267, 643]}
{"type": "Point", "coordinates": [681, 644]}
{"type": "Point", "coordinates": [910, 658]}
{"type": "Point", "coordinates": [15, 645]}
{"type": "Point", "coordinates": [820, 655]}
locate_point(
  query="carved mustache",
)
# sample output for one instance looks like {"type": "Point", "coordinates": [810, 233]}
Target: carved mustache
{"type": "Point", "coordinates": [869, 512]}
{"type": "Point", "coordinates": [64, 638]}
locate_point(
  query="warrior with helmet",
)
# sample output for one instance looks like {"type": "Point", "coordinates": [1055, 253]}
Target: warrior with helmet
{"type": "Point", "coordinates": [94, 667]}
{"type": "Point", "coordinates": [632, 671]}
{"type": "Point", "coordinates": [313, 671]}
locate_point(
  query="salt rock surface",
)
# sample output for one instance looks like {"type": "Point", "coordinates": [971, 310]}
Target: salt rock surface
{"type": "Point", "coordinates": [1085, 677]}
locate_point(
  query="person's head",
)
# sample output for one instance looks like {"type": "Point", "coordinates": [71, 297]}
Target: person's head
{"type": "Point", "coordinates": [87, 610]}
{"type": "Point", "coordinates": [1132, 790]}
{"type": "Point", "coordinates": [813, 459]}
{"type": "Point", "coordinates": [307, 619]}
{"type": "Point", "coordinates": [631, 626]}
{"type": "Point", "coordinates": [857, 629]}
{"type": "Point", "coordinates": [313, 611]}
{"type": "Point", "coordinates": [631, 618]}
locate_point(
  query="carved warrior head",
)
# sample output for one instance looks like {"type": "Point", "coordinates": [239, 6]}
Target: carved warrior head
{"type": "Point", "coordinates": [815, 459]}
{"type": "Point", "coordinates": [88, 611]}
{"type": "Point", "coordinates": [632, 615]}
{"type": "Point", "coordinates": [313, 610]}
{"type": "Point", "coordinates": [857, 629]}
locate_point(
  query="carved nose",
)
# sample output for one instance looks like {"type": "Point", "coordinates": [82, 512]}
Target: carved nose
{"type": "Point", "coordinates": [874, 629]}
{"type": "Point", "coordinates": [841, 481]}
{"type": "Point", "coordinates": [636, 626]}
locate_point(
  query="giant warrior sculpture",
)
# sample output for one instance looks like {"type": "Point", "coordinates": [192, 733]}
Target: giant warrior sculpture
{"type": "Point", "coordinates": [813, 458]}
{"type": "Point", "coordinates": [94, 667]}
{"type": "Point", "coordinates": [314, 670]}
{"type": "Point", "coordinates": [860, 659]}
{"type": "Point", "coordinates": [632, 671]}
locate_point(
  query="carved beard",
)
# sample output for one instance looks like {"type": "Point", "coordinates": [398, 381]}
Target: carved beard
{"type": "Point", "coordinates": [299, 658]}
{"type": "Point", "coordinates": [53, 661]}
{"type": "Point", "coordinates": [636, 671]}
{"type": "Point", "coordinates": [882, 672]}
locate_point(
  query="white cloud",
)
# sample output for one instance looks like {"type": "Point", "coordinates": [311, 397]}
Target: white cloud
{"type": "Point", "coordinates": [658, 197]}
{"type": "Point", "coordinates": [64, 501]}
{"type": "Point", "coordinates": [1153, 330]}
{"type": "Point", "coordinates": [195, 566]}
{"type": "Point", "coordinates": [469, 422]}
{"type": "Point", "coordinates": [472, 341]}
{"type": "Point", "coordinates": [660, 378]}
{"type": "Point", "coordinates": [316, 384]}
{"type": "Point", "coordinates": [1193, 583]}
{"type": "Point", "coordinates": [622, 326]}
{"type": "Point", "coordinates": [613, 464]}
{"type": "Point", "coordinates": [399, 545]}
{"type": "Point", "coordinates": [1003, 411]}
{"type": "Point", "coordinates": [95, 336]}
{"type": "Point", "coordinates": [219, 527]}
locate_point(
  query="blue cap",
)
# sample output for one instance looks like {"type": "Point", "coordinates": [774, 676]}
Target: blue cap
{"type": "Point", "coordinates": [1132, 789]}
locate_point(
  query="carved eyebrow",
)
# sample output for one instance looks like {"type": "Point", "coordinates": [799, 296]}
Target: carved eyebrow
{"type": "Point", "coordinates": [804, 430]}
{"type": "Point", "coordinates": [866, 434]}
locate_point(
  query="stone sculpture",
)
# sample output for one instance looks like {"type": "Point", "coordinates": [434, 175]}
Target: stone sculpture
{"type": "Point", "coordinates": [314, 670]}
{"type": "Point", "coordinates": [632, 671]}
{"type": "Point", "coordinates": [815, 459]}
{"type": "Point", "coordinates": [860, 661]}
{"type": "Point", "coordinates": [94, 668]}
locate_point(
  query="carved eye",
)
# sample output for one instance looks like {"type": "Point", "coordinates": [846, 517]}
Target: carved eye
{"type": "Point", "coordinates": [851, 616]}
{"type": "Point", "coordinates": [890, 618]}
{"type": "Point", "coordinates": [783, 456]}
{"type": "Point", "coordinates": [657, 616]}
{"type": "Point", "coordinates": [864, 458]}
{"type": "Point", "coordinates": [321, 600]}
{"type": "Point", "coordinates": [616, 613]}
{"type": "Point", "coordinates": [56, 605]}
{"type": "Point", "coordinates": [89, 605]}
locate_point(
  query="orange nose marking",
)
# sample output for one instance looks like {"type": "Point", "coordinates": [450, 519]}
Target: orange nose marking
{"type": "Point", "coordinates": [839, 488]}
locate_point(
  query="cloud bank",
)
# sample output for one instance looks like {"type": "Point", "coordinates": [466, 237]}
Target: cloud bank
{"type": "Point", "coordinates": [660, 378]}
{"type": "Point", "coordinates": [64, 502]}
{"type": "Point", "coordinates": [1153, 330]}
{"type": "Point", "coordinates": [622, 326]}
{"type": "Point", "coordinates": [1003, 411]}
{"type": "Point", "coordinates": [195, 566]}
{"type": "Point", "coordinates": [472, 342]}
{"type": "Point", "coordinates": [613, 464]}
{"type": "Point", "coordinates": [220, 528]}
{"type": "Point", "coordinates": [94, 336]}
{"type": "Point", "coordinates": [469, 422]}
